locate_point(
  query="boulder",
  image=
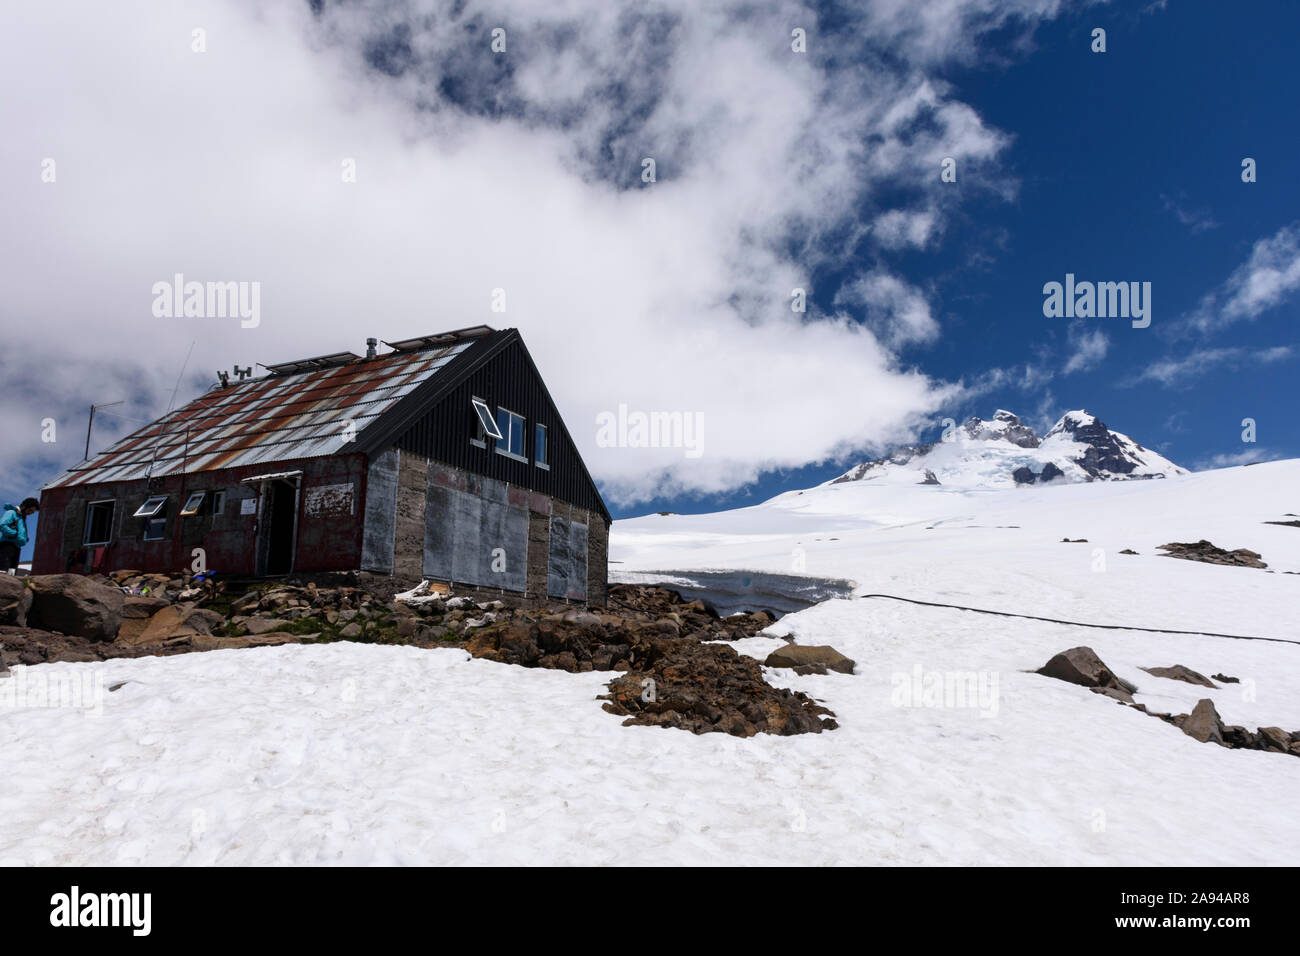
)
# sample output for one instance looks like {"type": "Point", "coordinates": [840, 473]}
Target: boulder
{"type": "Point", "coordinates": [75, 604]}
{"type": "Point", "coordinates": [15, 600]}
{"type": "Point", "coordinates": [810, 659]}
{"type": "Point", "coordinates": [1203, 723]}
{"type": "Point", "coordinates": [1082, 666]}
{"type": "Point", "coordinates": [1179, 672]}
{"type": "Point", "coordinates": [169, 623]}
{"type": "Point", "coordinates": [1275, 738]}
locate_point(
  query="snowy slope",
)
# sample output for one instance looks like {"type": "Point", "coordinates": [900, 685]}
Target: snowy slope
{"type": "Point", "coordinates": [1005, 451]}
{"type": "Point", "coordinates": [352, 753]}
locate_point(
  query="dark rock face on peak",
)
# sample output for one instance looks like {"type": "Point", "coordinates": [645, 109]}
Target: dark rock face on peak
{"type": "Point", "coordinates": [1025, 476]}
{"type": "Point", "coordinates": [1004, 427]}
{"type": "Point", "coordinates": [1107, 455]}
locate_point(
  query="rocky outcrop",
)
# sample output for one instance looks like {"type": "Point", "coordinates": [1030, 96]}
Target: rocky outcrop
{"type": "Point", "coordinates": [810, 659]}
{"type": "Point", "coordinates": [1179, 672]}
{"type": "Point", "coordinates": [709, 688]}
{"type": "Point", "coordinates": [1082, 666]}
{"type": "Point", "coordinates": [15, 600]}
{"type": "Point", "coordinates": [1210, 554]}
{"type": "Point", "coordinates": [75, 605]}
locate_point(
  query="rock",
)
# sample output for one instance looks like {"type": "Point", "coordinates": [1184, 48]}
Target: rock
{"type": "Point", "coordinates": [169, 623]}
{"type": "Point", "coordinates": [930, 479]}
{"type": "Point", "coordinates": [1210, 554]}
{"type": "Point", "coordinates": [1128, 551]}
{"type": "Point", "coordinates": [75, 604]}
{"type": "Point", "coordinates": [1081, 665]}
{"type": "Point", "coordinates": [260, 625]}
{"type": "Point", "coordinates": [1203, 723]}
{"type": "Point", "coordinates": [461, 604]}
{"type": "Point", "coordinates": [1179, 672]}
{"type": "Point", "coordinates": [1275, 738]}
{"type": "Point", "coordinates": [141, 607]}
{"type": "Point", "coordinates": [15, 600]}
{"type": "Point", "coordinates": [818, 658]}
{"type": "Point", "coordinates": [1115, 692]}
{"type": "Point", "coordinates": [1223, 679]}
{"type": "Point", "coordinates": [351, 631]}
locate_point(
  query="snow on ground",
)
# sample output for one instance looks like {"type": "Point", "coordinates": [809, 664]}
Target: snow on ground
{"type": "Point", "coordinates": [360, 754]}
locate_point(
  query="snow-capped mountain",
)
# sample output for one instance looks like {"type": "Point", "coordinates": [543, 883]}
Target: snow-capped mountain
{"type": "Point", "coordinates": [1005, 452]}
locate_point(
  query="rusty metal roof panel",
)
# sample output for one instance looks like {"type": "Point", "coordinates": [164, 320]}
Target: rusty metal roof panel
{"type": "Point", "coordinates": [279, 417]}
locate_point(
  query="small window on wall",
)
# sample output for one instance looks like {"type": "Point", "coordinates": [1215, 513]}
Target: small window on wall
{"type": "Point", "coordinates": [218, 502]}
{"type": "Point", "coordinates": [155, 529]}
{"type": "Point", "coordinates": [511, 426]}
{"type": "Point", "coordinates": [193, 503]}
{"type": "Point", "coordinates": [540, 450]}
{"type": "Point", "coordinates": [486, 427]}
{"type": "Point", "coordinates": [99, 522]}
{"type": "Point", "coordinates": [151, 507]}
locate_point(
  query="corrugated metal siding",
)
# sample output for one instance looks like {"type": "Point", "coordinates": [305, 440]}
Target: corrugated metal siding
{"type": "Point", "coordinates": [271, 419]}
{"type": "Point", "coordinates": [506, 380]}
{"type": "Point", "coordinates": [326, 541]}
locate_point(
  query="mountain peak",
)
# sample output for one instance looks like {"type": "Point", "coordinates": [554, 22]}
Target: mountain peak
{"type": "Point", "coordinates": [1004, 451]}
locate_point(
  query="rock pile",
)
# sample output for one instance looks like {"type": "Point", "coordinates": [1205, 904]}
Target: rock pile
{"type": "Point", "coordinates": [1081, 665]}
{"type": "Point", "coordinates": [649, 632]}
{"type": "Point", "coordinates": [1210, 554]}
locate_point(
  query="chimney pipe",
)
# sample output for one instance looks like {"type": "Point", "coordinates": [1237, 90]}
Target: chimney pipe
{"type": "Point", "coordinates": [370, 348]}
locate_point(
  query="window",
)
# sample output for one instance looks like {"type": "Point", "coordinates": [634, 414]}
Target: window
{"type": "Point", "coordinates": [99, 522]}
{"type": "Point", "coordinates": [511, 427]}
{"type": "Point", "coordinates": [155, 529]}
{"type": "Point", "coordinates": [192, 504]}
{"type": "Point", "coordinates": [151, 507]}
{"type": "Point", "coordinates": [218, 502]}
{"type": "Point", "coordinates": [486, 426]}
{"type": "Point", "coordinates": [539, 446]}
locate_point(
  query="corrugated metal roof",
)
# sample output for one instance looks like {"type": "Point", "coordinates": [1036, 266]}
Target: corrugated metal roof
{"type": "Point", "coordinates": [275, 418]}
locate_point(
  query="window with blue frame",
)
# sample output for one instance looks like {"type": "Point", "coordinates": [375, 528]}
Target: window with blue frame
{"type": "Point", "coordinates": [540, 451]}
{"type": "Point", "coordinates": [511, 426]}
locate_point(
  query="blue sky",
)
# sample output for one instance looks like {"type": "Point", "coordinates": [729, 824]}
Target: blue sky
{"type": "Point", "coordinates": [1129, 168]}
{"type": "Point", "coordinates": [521, 169]}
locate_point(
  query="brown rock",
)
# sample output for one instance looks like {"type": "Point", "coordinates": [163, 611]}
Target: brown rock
{"type": "Point", "coordinates": [816, 658]}
{"type": "Point", "coordinates": [1203, 723]}
{"type": "Point", "coordinates": [1179, 672]}
{"type": "Point", "coordinates": [1081, 665]}
{"type": "Point", "coordinates": [15, 600]}
{"type": "Point", "coordinates": [75, 604]}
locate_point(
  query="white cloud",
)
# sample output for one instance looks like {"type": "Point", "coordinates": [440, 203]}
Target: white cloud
{"type": "Point", "coordinates": [1231, 459]}
{"type": "Point", "coordinates": [1267, 278]}
{"type": "Point", "coordinates": [1176, 370]}
{"type": "Point", "coordinates": [477, 172]}
{"type": "Point", "coordinates": [1089, 348]}
{"type": "Point", "coordinates": [898, 313]}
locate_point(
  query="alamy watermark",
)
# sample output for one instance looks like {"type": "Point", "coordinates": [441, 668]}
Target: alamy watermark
{"type": "Point", "coordinates": [208, 300]}
{"type": "Point", "coordinates": [79, 689]}
{"type": "Point", "coordinates": [947, 689]}
{"type": "Point", "coordinates": [636, 429]}
{"type": "Point", "coordinates": [1102, 300]}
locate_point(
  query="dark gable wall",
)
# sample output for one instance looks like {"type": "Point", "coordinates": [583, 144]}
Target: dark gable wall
{"type": "Point", "coordinates": [507, 379]}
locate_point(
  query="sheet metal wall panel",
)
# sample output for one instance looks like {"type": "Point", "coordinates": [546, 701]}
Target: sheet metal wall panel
{"type": "Point", "coordinates": [463, 529]}
{"type": "Point", "coordinates": [381, 513]}
{"type": "Point", "coordinates": [439, 534]}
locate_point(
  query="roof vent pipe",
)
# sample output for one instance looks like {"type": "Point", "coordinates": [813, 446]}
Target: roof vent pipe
{"type": "Point", "coordinates": [370, 348]}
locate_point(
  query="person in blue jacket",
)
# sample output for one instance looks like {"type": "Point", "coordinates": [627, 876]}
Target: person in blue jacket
{"type": "Point", "coordinates": [13, 533]}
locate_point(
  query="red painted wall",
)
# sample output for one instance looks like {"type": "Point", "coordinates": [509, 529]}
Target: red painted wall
{"type": "Point", "coordinates": [327, 540]}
